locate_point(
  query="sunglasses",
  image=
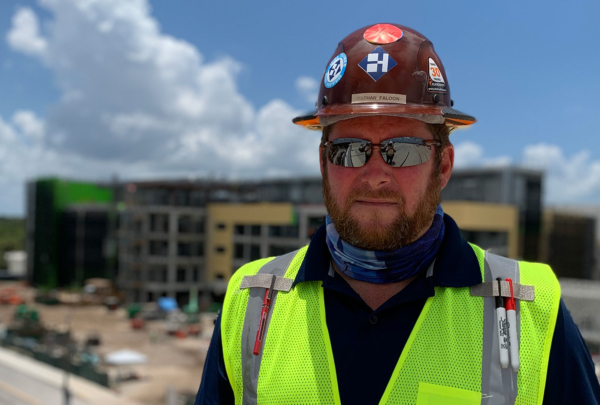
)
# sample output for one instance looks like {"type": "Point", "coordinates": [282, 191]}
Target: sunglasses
{"type": "Point", "coordinates": [396, 152]}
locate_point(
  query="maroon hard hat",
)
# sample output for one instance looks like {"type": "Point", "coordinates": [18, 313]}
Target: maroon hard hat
{"type": "Point", "coordinates": [384, 69]}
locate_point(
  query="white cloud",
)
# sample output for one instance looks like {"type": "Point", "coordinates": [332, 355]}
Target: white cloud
{"type": "Point", "coordinates": [137, 101]}
{"type": "Point", "coordinates": [567, 179]}
{"type": "Point", "coordinates": [24, 35]}
{"type": "Point", "coordinates": [467, 154]}
{"type": "Point", "coordinates": [308, 88]}
{"type": "Point", "coordinates": [471, 154]}
{"type": "Point", "coordinates": [29, 124]}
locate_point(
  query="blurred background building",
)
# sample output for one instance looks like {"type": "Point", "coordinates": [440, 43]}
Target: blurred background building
{"type": "Point", "coordinates": [165, 238]}
{"type": "Point", "coordinates": [518, 187]}
{"type": "Point", "coordinates": [67, 231]}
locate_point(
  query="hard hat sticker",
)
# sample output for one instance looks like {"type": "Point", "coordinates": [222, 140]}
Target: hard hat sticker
{"type": "Point", "coordinates": [382, 34]}
{"type": "Point", "coordinates": [436, 81]}
{"type": "Point", "coordinates": [377, 63]}
{"type": "Point", "coordinates": [335, 70]}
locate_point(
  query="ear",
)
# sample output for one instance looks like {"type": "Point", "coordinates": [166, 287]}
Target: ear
{"type": "Point", "coordinates": [447, 164]}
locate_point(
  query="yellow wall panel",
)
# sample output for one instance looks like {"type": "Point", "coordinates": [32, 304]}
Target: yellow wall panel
{"type": "Point", "coordinates": [479, 216]}
{"type": "Point", "coordinates": [237, 214]}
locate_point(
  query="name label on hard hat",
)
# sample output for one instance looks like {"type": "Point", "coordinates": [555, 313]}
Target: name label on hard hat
{"type": "Point", "coordinates": [378, 98]}
{"type": "Point", "coordinates": [335, 70]}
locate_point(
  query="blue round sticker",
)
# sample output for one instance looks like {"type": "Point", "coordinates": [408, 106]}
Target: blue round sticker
{"type": "Point", "coordinates": [335, 70]}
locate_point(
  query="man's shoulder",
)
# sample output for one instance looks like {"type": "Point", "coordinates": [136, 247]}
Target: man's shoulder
{"type": "Point", "coordinates": [252, 268]}
{"type": "Point", "coordinates": [538, 269]}
{"type": "Point", "coordinates": [248, 269]}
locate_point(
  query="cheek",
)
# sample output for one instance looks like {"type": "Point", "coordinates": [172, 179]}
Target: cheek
{"type": "Point", "coordinates": [341, 179]}
{"type": "Point", "coordinates": [412, 182]}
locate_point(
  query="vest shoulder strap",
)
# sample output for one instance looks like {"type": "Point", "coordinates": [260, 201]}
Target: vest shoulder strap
{"type": "Point", "coordinates": [245, 295]}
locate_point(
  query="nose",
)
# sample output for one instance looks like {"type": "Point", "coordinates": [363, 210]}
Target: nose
{"type": "Point", "coordinates": [376, 173]}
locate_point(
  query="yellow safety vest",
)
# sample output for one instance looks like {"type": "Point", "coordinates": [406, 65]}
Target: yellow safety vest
{"type": "Point", "coordinates": [448, 358]}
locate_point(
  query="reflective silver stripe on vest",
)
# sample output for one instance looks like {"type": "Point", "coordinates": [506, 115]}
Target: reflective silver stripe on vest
{"type": "Point", "coordinates": [498, 385]}
{"type": "Point", "coordinates": [250, 362]}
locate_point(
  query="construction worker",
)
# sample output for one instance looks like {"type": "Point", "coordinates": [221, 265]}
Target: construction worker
{"type": "Point", "coordinates": [388, 303]}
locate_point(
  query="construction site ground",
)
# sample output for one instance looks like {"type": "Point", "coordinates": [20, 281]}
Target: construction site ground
{"type": "Point", "coordinates": [172, 361]}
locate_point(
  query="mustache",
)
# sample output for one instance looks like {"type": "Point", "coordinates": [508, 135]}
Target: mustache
{"type": "Point", "coordinates": [383, 194]}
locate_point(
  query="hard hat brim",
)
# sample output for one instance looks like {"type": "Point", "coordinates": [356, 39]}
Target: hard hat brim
{"type": "Point", "coordinates": [317, 119]}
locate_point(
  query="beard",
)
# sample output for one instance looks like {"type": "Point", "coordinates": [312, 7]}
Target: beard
{"type": "Point", "coordinates": [383, 236]}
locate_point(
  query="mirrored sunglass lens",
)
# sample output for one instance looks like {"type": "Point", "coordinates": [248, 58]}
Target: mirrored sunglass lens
{"type": "Point", "coordinates": [400, 154]}
{"type": "Point", "coordinates": [349, 154]}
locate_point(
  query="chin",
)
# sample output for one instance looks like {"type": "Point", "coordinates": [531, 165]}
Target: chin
{"type": "Point", "coordinates": [374, 224]}
{"type": "Point", "coordinates": [374, 218]}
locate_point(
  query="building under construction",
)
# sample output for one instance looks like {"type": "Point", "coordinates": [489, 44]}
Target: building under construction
{"type": "Point", "coordinates": [173, 237]}
{"type": "Point", "coordinates": [67, 228]}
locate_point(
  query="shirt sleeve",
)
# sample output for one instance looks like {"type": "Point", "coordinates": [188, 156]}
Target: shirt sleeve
{"type": "Point", "coordinates": [571, 375]}
{"type": "Point", "coordinates": [214, 387]}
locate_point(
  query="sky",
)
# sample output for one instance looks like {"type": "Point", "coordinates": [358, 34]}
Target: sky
{"type": "Point", "coordinates": [185, 89]}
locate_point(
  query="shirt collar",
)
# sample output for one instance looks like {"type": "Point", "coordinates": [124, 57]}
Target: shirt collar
{"type": "Point", "coordinates": [456, 264]}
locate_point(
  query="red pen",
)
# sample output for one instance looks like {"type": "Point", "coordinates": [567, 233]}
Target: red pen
{"type": "Point", "coordinates": [264, 314]}
{"type": "Point", "coordinates": [511, 315]}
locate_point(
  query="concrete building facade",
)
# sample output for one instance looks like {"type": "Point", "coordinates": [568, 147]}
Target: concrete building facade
{"type": "Point", "coordinates": [161, 252]}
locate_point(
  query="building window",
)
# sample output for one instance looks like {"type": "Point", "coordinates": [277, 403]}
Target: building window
{"type": "Point", "coordinates": [137, 226]}
{"type": "Point", "coordinates": [198, 198]}
{"type": "Point", "coordinates": [284, 231]}
{"type": "Point", "coordinates": [159, 223]}
{"type": "Point", "coordinates": [278, 250]}
{"type": "Point", "coordinates": [254, 252]}
{"type": "Point", "coordinates": [195, 273]}
{"type": "Point", "coordinates": [181, 273]}
{"type": "Point", "coordinates": [181, 197]}
{"type": "Point", "coordinates": [184, 249]}
{"type": "Point", "coordinates": [136, 250]}
{"type": "Point", "coordinates": [159, 248]}
{"type": "Point", "coordinates": [221, 226]}
{"type": "Point", "coordinates": [157, 273]}
{"type": "Point", "coordinates": [220, 249]}
{"type": "Point", "coordinates": [198, 249]}
{"type": "Point", "coordinates": [255, 230]}
{"type": "Point", "coordinates": [200, 227]}
{"type": "Point", "coordinates": [239, 251]}
{"type": "Point", "coordinates": [185, 224]}
{"type": "Point", "coordinates": [239, 229]}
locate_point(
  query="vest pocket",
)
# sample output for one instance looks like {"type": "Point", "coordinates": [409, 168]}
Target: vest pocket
{"type": "Point", "coordinates": [431, 394]}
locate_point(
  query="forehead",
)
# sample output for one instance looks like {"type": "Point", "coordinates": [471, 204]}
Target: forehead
{"type": "Point", "coordinates": [379, 128]}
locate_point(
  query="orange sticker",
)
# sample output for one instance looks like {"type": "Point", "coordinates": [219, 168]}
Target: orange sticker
{"type": "Point", "coordinates": [436, 82]}
{"type": "Point", "coordinates": [383, 34]}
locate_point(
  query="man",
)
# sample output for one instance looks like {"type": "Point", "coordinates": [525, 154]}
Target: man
{"type": "Point", "coordinates": [390, 152]}
{"type": "Point", "coordinates": [388, 304]}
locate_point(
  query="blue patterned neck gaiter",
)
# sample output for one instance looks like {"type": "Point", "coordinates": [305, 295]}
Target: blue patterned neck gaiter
{"type": "Point", "coordinates": [386, 267]}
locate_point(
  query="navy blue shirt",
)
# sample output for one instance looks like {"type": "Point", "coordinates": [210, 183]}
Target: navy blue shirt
{"type": "Point", "coordinates": [367, 344]}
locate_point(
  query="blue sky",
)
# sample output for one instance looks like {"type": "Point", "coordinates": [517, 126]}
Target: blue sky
{"type": "Point", "coordinates": [528, 72]}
